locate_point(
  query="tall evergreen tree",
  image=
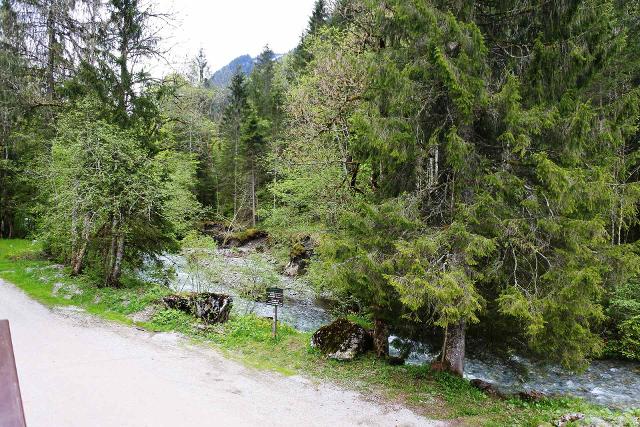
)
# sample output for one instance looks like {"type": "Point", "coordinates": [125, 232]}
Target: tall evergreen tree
{"type": "Point", "coordinates": [13, 107]}
{"type": "Point", "coordinates": [254, 146]}
{"type": "Point", "coordinates": [234, 116]}
{"type": "Point", "coordinates": [263, 89]}
{"type": "Point", "coordinates": [521, 178]}
{"type": "Point", "coordinates": [318, 18]}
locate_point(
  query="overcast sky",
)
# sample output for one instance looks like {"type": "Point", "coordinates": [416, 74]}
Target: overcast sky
{"type": "Point", "coordinates": [226, 29]}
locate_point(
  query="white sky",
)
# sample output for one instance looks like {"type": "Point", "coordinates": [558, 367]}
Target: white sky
{"type": "Point", "coordinates": [226, 29]}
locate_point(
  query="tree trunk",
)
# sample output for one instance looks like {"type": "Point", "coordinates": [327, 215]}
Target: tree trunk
{"type": "Point", "coordinates": [253, 194]}
{"type": "Point", "coordinates": [235, 176]}
{"type": "Point", "coordinates": [77, 263]}
{"type": "Point", "coordinates": [51, 32]}
{"type": "Point", "coordinates": [116, 271]}
{"type": "Point", "coordinates": [380, 338]}
{"type": "Point", "coordinates": [111, 255]}
{"type": "Point", "coordinates": [453, 348]}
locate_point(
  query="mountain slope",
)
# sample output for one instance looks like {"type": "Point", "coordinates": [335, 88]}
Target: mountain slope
{"type": "Point", "coordinates": [222, 77]}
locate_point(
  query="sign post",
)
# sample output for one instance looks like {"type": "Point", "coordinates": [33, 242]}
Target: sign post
{"type": "Point", "coordinates": [275, 297]}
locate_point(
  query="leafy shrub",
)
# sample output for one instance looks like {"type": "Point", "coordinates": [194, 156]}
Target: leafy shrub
{"type": "Point", "coordinates": [629, 345]}
{"type": "Point", "coordinates": [255, 277]}
{"type": "Point", "coordinates": [624, 310]}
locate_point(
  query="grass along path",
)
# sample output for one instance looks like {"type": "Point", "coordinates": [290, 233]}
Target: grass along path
{"type": "Point", "coordinates": [248, 339]}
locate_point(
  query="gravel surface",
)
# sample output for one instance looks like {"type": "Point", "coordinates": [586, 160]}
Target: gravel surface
{"type": "Point", "coordinates": [78, 370]}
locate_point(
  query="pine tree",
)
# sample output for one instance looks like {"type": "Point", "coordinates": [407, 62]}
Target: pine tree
{"type": "Point", "coordinates": [235, 114]}
{"type": "Point", "coordinates": [318, 18]}
{"type": "Point", "coordinates": [522, 174]}
{"type": "Point", "coordinates": [254, 145]}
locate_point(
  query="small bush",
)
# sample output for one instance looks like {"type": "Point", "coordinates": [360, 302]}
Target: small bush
{"type": "Point", "coordinates": [255, 277]}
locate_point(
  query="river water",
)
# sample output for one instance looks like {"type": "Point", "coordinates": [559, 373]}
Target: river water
{"type": "Point", "coordinates": [608, 382]}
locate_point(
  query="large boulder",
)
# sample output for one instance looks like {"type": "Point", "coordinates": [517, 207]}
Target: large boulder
{"type": "Point", "coordinates": [207, 306]}
{"type": "Point", "coordinates": [342, 340]}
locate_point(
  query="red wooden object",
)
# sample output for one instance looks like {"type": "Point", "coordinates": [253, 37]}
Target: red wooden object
{"type": "Point", "coordinates": [11, 411]}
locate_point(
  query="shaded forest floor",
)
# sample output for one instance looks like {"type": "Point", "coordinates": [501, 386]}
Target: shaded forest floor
{"type": "Point", "coordinates": [248, 339]}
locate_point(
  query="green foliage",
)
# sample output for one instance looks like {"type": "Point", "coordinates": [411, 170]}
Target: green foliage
{"type": "Point", "coordinates": [255, 277]}
{"type": "Point", "coordinates": [625, 312]}
{"type": "Point", "coordinates": [203, 264]}
{"type": "Point", "coordinates": [189, 128]}
{"type": "Point", "coordinates": [108, 192]}
{"type": "Point", "coordinates": [516, 142]}
{"type": "Point", "coordinates": [358, 260]}
{"type": "Point", "coordinates": [248, 339]}
{"type": "Point", "coordinates": [630, 338]}
{"type": "Point", "coordinates": [439, 271]}
{"type": "Point", "coordinates": [22, 137]}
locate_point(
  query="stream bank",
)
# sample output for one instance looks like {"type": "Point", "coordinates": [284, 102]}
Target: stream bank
{"type": "Point", "coordinates": [611, 383]}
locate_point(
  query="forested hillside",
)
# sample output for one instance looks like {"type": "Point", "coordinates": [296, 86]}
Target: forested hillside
{"type": "Point", "coordinates": [222, 77]}
{"type": "Point", "coordinates": [461, 168]}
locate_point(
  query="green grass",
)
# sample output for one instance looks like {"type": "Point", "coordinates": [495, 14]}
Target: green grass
{"type": "Point", "coordinates": [248, 339]}
{"type": "Point", "coordinates": [22, 264]}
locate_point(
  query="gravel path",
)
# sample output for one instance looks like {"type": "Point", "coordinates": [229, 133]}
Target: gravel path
{"type": "Point", "coordinates": [77, 370]}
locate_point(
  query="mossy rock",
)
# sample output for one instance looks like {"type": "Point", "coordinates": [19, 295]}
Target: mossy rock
{"type": "Point", "coordinates": [241, 238]}
{"type": "Point", "coordinates": [299, 256]}
{"type": "Point", "coordinates": [342, 340]}
{"type": "Point", "coordinates": [297, 250]}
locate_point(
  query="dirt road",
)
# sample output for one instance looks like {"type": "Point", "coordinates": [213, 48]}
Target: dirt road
{"type": "Point", "coordinates": [77, 370]}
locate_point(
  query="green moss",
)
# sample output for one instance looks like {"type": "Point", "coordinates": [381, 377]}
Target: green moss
{"type": "Point", "coordinates": [247, 235]}
{"type": "Point", "coordinates": [297, 250]}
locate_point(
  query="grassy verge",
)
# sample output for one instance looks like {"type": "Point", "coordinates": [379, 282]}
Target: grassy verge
{"type": "Point", "coordinates": [248, 339]}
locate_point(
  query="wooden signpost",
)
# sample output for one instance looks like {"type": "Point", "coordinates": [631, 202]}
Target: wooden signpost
{"type": "Point", "coordinates": [275, 297]}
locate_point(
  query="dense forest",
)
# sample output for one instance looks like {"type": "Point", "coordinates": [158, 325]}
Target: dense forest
{"type": "Point", "coordinates": [462, 168]}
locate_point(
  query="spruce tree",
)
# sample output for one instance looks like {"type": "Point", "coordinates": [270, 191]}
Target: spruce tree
{"type": "Point", "coordinates": [515, 137]}
{"type": "Point", "coordinates": [232, 164]}
{"type": "Point", "coordinates": [318, 18]}
{"type": "Point", "coordinates": [253, 146]}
